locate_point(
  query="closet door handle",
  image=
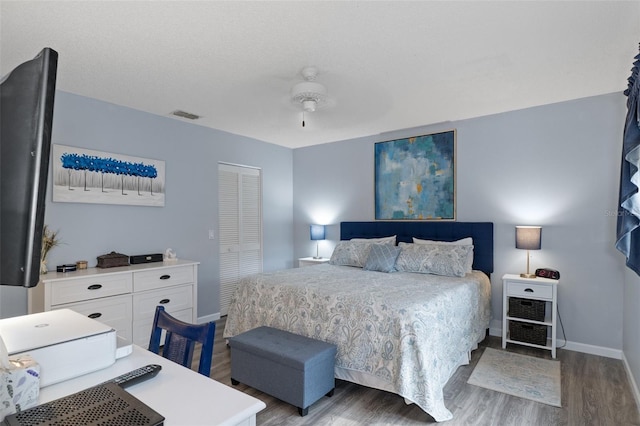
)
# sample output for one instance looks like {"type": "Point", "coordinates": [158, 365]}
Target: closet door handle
{"type": "Point", "coordinates": [94, 287]}
{"type": "Point", "coordinates": [165, 277]}
{"type": "Point", "coordinates": [95, 315]}
{"type": "Point", "coordinates": [165, 301]}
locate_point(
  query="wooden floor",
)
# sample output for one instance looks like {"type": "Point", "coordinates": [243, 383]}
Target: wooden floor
{"type": "Point", "coordinates": [595, 391]}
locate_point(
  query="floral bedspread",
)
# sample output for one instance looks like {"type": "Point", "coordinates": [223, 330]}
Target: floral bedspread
{"type": "Point", "coordinates": [408, 330]}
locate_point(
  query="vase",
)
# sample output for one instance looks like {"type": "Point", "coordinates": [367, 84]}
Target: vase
{"type": "Point", "coordinates": [43, 266]}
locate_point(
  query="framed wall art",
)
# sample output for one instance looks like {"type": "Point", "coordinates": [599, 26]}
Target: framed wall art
{"type": "Point", "coordinates": [88, 176]}
{"type": "Point", "coordinates": [415, 178]}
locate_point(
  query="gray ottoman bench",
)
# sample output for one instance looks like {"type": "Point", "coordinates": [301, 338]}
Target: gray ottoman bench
{"type": "Point", "coordinates": [293, 368]}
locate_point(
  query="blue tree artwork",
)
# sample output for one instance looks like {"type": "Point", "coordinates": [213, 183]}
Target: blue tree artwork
{"type": "Point", "coordinates": [415, 178]}
{"type": "Point", "coordinates": [106, 178]}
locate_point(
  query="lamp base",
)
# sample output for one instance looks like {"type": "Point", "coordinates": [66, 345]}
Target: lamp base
{"type": "Point", "coordinates": [528, 275]}
{"type": "Point", "coordinates": [317, 257]}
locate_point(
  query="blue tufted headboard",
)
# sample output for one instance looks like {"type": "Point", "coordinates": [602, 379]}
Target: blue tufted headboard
{"type": "Point", "coordinates": [481, 232]}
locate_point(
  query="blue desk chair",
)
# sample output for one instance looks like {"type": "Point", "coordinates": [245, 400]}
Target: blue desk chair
{"type": "Point", "coordinates": [180, 340]}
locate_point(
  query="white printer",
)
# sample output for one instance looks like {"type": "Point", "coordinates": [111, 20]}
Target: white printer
{"type": "Point", "coordinates": [65, 343]}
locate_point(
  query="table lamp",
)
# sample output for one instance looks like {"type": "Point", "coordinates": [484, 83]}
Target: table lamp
{"type": "Point", "coordinates": [528, 238]}
{"type": "Point", "coordinates": [317, 234]}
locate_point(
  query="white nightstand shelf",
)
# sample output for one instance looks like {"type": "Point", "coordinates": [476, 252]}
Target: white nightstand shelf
{"type": "Point", "coordinates": [308, 261]}
{"type": "Point", "coordinates": [534, 290]}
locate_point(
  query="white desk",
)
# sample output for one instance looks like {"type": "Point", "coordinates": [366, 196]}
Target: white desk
{"type": "Point", "coordinates": [182, 396]}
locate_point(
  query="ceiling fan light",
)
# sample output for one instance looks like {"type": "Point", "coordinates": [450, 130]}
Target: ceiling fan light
{"type": "Point", "coordinates": [308, 89]}
{"type": "Point", "coordinates": [309, 105]}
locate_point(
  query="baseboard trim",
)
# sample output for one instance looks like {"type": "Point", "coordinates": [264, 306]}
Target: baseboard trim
{"type": "Point", "coordinates": [209, 318]}
{"type": "Point", "coordinates": [495, 329]}
{"type": "Point", "coordinates": [632, 380]}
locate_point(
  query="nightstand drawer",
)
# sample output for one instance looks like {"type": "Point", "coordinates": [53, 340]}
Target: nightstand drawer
{"type": "Point", "coordinates": [530, 290]}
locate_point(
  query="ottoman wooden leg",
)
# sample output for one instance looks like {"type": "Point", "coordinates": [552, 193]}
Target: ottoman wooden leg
{"type": "Point", "coordinates": [303, 411]}
{"type": "Point", "coordinates": [234, 382]}
{"type": "Point", "coordinates": [330, 393]}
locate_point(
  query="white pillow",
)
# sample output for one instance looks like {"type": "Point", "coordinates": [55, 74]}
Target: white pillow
{"type": "Point", "coordinates": [463, 242]}
{"type": "Point", "coordinates": [383, 240]}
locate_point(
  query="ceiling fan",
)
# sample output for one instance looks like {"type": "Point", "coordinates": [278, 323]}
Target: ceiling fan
{"type": "Point", "coordinates": [309, 95]}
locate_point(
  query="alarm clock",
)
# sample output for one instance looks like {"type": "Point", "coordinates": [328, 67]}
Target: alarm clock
{"type": "Point", "coordinates": [548, 273]}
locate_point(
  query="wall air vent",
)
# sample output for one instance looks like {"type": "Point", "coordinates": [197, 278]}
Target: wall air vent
{"type": "Point", "coordinates": [184, 114]}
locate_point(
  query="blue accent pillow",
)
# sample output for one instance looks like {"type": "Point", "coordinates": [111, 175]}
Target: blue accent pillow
{"type": "Point", "coordinates": [382, 258]}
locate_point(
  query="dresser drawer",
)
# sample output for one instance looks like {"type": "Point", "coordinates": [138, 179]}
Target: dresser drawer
{"type": "Point", "coordinates": [173, 299]}
{"type": "Point", "coordinates": [530, 290]}
{"type": "Point", "coordinates": [166, 277]}
{"type": "Point", "coordinates": [142, 328]}
{"type": "Point", "coordinates": [112, 311]}
{"type": "Point", "coordinates": [88, 288]}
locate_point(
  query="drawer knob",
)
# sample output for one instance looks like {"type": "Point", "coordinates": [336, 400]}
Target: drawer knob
{"type": "Point", "coordinates": [165, 277]}
{"type": "Point", "coordinates": [165, 301]}
{"type": "Point", "coordinates": [95, 287]}
{"type": "Point", "coordinates": [95, 315]}
{"type": "Point", "coordinates": [528, 290]}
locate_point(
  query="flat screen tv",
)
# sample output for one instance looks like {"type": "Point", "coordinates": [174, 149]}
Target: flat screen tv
{"type": "Point", "coordinates": [26, 115]}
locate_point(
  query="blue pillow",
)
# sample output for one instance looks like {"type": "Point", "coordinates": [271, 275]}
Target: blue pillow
{"type": "Point", "coordinates": [382, 258]}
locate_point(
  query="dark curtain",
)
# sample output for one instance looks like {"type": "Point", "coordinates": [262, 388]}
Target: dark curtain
{"type": "Point", "coordinates": [628, 230]}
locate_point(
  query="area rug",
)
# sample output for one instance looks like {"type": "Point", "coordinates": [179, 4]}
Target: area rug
{"type": "Point", "coordinates": [523, 376]}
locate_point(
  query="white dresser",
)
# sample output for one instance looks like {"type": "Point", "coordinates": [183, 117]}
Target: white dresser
{"type": "Point", "coordinates": [125, 297]}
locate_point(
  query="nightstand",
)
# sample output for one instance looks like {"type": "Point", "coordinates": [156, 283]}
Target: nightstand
{"type": "Point", "coordinates": [308, 261]}
{"type": "Point", "coordinates": [529, 312]}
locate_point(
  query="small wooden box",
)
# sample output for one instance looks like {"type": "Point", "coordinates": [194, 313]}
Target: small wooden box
{"type": "Point", "coordinates": [112, 260]}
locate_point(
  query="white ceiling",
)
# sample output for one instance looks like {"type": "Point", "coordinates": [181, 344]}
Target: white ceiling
{"type": "Point", "coordinates": [387, 65]}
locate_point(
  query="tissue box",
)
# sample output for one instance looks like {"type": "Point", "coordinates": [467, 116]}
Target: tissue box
{"type": "Point", "coordinates": [19, 385]}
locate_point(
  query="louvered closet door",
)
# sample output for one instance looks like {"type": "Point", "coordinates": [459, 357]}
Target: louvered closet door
{"type": "Point", "coordinates": [240, 227]}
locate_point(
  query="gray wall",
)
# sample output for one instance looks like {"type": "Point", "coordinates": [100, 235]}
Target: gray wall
{"type": "Point", "coordinates": [555, 166]}
{"type": "Point", "coordinates": [191, 154]}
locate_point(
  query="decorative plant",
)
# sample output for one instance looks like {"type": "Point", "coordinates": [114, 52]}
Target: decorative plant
{"type": "Point", "coordinates": [50, 239]}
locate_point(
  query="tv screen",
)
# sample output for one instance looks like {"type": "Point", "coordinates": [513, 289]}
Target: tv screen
{"type": "Point", "coordinates": [26, 115]}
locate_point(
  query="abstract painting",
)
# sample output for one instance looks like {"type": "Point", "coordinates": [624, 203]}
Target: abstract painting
{"type": "Point", "coordinates": [88, 176]}
{"type": "Point", "coordinates": [415, 178]}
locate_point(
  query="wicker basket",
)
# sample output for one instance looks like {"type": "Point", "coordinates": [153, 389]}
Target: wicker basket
{"type": "Point", "coordinates": [529, 333]}
{"type": "Point", "coordinates": [527, 308]}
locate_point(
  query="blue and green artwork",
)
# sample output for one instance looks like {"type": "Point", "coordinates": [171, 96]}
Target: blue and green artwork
{"type": "Point", "coordinates": [415, 178]}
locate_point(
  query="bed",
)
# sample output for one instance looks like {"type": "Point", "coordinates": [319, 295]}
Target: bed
{"type": "Point", "coordinates": [402, 332]}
